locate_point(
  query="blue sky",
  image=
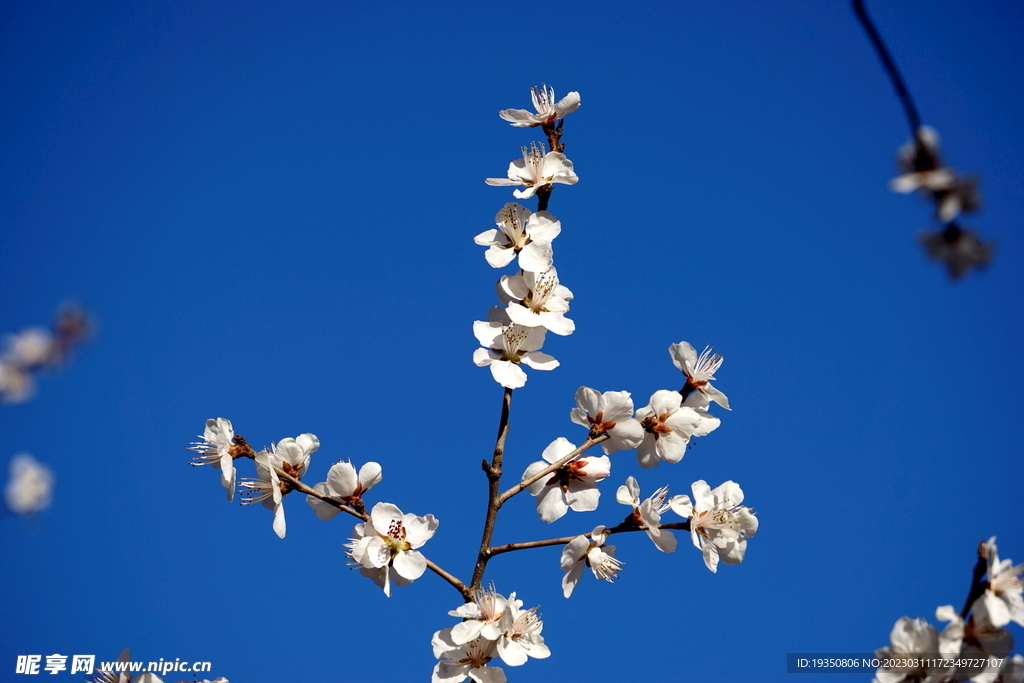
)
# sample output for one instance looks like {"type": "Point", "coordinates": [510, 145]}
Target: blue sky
{"type": "Point", "coordinates": [270, 210]}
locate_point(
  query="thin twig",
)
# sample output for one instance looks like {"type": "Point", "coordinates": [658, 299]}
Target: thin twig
{"type": "Point", "coordinates": [493, 471]}
{"type": "Point", "coordinates": [890, 66]}
{"type": "Point", "coordinates": [621, 528]}
{"type": "Point", "coordinates": [467, 594]}
{"type": "Point", "coordinates": [431, 565]}
{"type": "Point", "coordinates": [977, 585]}
{"type": "Point", "coordinates": [302, 488]}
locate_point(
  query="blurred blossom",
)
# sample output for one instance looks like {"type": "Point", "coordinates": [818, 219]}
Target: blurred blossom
{"type": "Point", "coordinates": [30, 487]}
{"type": "Point", "coordinates": [957, 248]}
{"type": "Point", "coordinates": [35, 348]}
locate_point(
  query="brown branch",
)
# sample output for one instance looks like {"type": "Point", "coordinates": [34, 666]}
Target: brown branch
{"type": "Point", "coordinates": [302, 488]}
{"type": "Point", "coordinates": [467, 594]}
{"type": "Point", "coordinates": [621, 528]}
{"type": "Point", "coordinates": [493, 471]}
{"type": "Point", "coordinates": [978, 586]}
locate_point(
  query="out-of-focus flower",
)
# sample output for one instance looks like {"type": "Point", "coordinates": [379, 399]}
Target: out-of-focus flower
{"type": "Point", "coordinates": [520, 232]}
{"type": "Point", "coordinates": [574, 485]}
{"type": "Point", "coordinates": [920, 165]}
{"type": "Point", "coordinates": [912, 649]}
{"type": "Point", "coordinates": [535, 170]}
{"type": "Point", "coordinates": [648, 513]}
{"type": "Point", "coordinates": [344, 486]}
{"type": "Point", "coordinates": [388, 541]}
{"type": "Point", "coordinates": [1002, 601]}
{"type": "Point", "coordinates": [699, 371]}
{"type": "Point", "coordinates": [16, 383]}
{"type": "Point", "coordinates": [593, 553]}
{"type": "Point", "coordinates": [292, 457]}
{"type": "Point", "coordinates": [30, 487]}
{"type": "Point", "coordinates": [216, 449]}
{"type": "Point", "coordinates": [460, 661]}
{"type": "Point", "coordinates": [609, 413]}
{"type": "Point", "coordinates": [509, 345]}
{"type": "Point", "coordinates": [547, 109]}
{"type": "Point", "coordinates": [537, 300]}
{"type": "Point", "coordinates": [957, 248]}
{"type": "Point", "coordinates": [719, 525]}
{"type": "Point", "coordinates": [668, 426]}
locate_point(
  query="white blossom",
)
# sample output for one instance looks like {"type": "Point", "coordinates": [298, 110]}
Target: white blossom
{"type": "Point", "coordinates": [216, 449]}
{"type": "Point", "coordinates": [719, 525]}
{"type": "Point", "coordinates": [609, 413]}
{"type": "Point", "coordinates": [292, 457]}
{"type": "Point", "coordinates": [593, 553]}
{"type": "Point", "coordinates": [509, 345]}
{"type": "Point", "coordinates": [668, 426]}
{"type": "Point", "coordinates": [574, 485]}
{"type": "Point", "coordinates": [344, 486]}
{"type": "Point", "coordinates": [459, 661]}
{"type": "Point", "coordinates": [547, 109]}
{"type": "Point", "coordinates": [537, 300]}
{"type": "Point", "coordinates": [520, 636]}
{"type": "Point", "coordinates": [699, 371]}
{"type": "Point", "coordinates": [535, 170]}
{"type": "Point", "coordinates": [912, 651]}
{"type": "Point", "coordinates": [520, 232]}
{"type": "Point", "coordinates": [647, 514]}
{"type": "Point", "coordinates": [385, 546]}
{"type": "Point", "coordinates": [30, 487]}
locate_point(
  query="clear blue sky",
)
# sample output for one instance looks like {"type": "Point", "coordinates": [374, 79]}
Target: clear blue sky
{"type": "Point", "coordinates": [270, 209]}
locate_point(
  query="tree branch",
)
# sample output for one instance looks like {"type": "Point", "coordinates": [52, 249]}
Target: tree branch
{"type": "Point", "coordinates": [621, 528]}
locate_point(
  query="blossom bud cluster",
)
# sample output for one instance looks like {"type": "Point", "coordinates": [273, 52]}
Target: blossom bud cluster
{"type": "Point", "coordinates": [37, 348]}
{"type": "Point", "coordinates": [973, 646]}
{"type": "Point", "coordinates": [922, 170]}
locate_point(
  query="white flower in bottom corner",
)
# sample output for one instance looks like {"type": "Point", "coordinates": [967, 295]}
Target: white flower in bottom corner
{"type": "Point", "coordinates": [574, 485]}
{"type": "Point", "coordinates": [386, 545]}
{"type": "Point", "coordinates": [593, 553]}
{"type": "Point", "coordinates": [915, 644]}
{"type": "Point", "coordinates": [30, 488]}
{"type": "Point", "coordinates": [648, 513]}
{"type": "Point", "coordinates": [466, 660]}
{"type": "Point", "coordinates": [719, 526]}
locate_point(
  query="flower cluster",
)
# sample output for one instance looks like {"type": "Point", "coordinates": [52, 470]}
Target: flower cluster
{"type": "Point", "coordinates": [973, 645]}
{"type": "Point", "coordinates": [37, 348]}
{"type": "Point", "coordinates": [922, 170]}
{"type": "Point", "coordinates": [492, 627]}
